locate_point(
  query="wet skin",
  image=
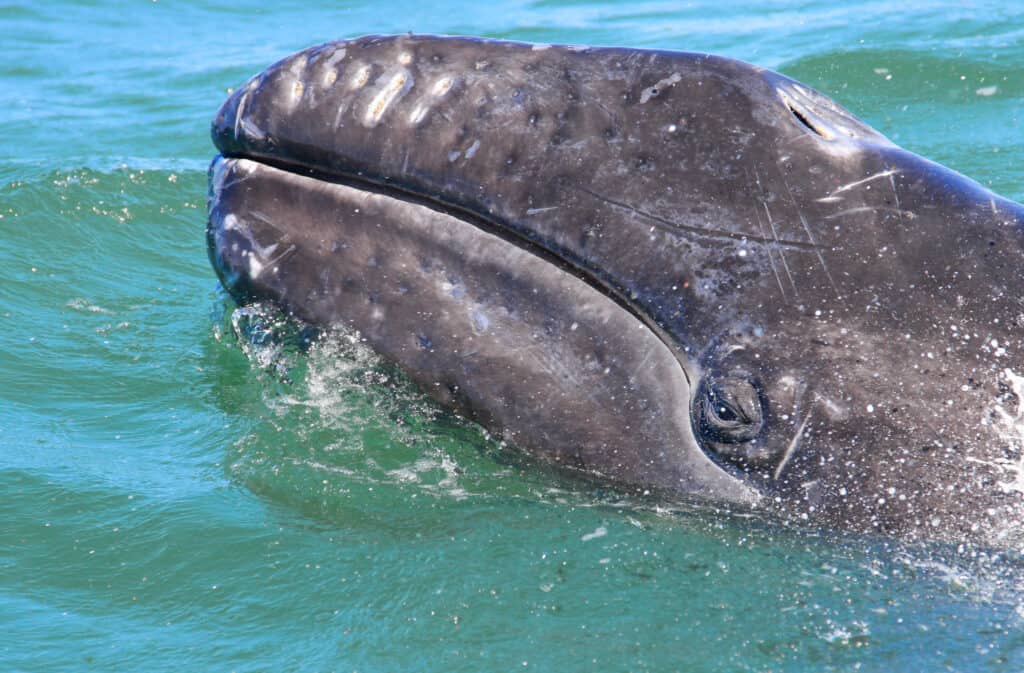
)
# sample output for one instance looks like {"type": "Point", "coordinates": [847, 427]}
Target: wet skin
{"type": "Point", "coordinates": [683, 273]}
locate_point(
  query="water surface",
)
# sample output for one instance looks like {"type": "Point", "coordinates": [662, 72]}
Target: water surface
{"type": "Point", "coordinates": [178, 498]}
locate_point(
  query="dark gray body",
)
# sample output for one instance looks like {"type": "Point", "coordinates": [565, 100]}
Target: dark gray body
{"type": "Point", "coordinates": [578, 247]}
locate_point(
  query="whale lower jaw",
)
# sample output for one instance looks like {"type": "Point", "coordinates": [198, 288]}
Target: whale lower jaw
{"type": "Point", "coordinates": [503, 330]}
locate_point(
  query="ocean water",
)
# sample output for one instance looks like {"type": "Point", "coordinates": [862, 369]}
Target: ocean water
{"type": "Point", "coordinates": [183, 488]}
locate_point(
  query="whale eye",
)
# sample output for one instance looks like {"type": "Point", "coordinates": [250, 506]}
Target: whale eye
{"type": "Point", "coordinates": [731, 410]}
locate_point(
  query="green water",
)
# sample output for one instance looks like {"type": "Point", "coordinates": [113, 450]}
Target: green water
{"type": "Point", "coordinates": [175, 497]}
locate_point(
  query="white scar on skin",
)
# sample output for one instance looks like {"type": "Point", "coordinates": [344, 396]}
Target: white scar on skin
{"type": "Point", "coordinates": [791, 449]}
{"type": "Point", "coordinates": [652, 91]}
{"type": "Point", "coordinates": [331, 69]}
{"type": "Point", "coordinates": [440, 88]}
{"type": "Point", "coordinates": [240, 110]}
{"type": "Point", "coordinates": [393, 89]}
{"type": "Point", "coordinates": [417, 114]}
{"type": "Point", "coordinates": [361, 77]}
{"type": "Point", "coordinates": [851, 185]}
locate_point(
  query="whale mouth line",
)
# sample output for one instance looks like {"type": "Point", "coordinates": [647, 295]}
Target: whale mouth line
{"type": "Point", "coordinates": [561, 259]}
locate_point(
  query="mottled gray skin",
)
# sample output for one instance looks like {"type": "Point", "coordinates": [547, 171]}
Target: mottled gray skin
{"type": "Point", "coordinates": [573, 246]}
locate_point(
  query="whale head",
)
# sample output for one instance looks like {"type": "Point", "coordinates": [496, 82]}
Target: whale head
{"type": "Point", "coordinates": [680, 272]}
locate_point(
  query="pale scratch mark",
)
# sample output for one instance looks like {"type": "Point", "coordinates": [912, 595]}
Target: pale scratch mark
{"type": "Point", "coordinates": [341, 111]}
{"type": "Point", "coordinates": [614, 118]}
{"type": "Point", "coordinates": [794, 444]}
{"type": "Point", "coordinates": [871, 209]}
{"type": "Point", "coordinates": [325, 277]}
{"type": "Point", "coordinates": [262, 217]}
{"type": "Point", "coordinates": [648, 354]}
{"type": "Point", "coordinates": [240, 110]}
{"type": "Point", "coordinates": [800, 136]}
{"type": "Point", "coordinates": [257, 266]}
{"type": "Point", "coordinates": [252, 130]}
{"type": "Point", "coordinates": [771, 255]}
{"type": "Point", "coordinates": [277, 260]}
{"type": "Point", "coordinates": [675, 227]}
{"type": "Point", "coordinates": [810, 237]}
{"type": "Point", "coordinates": [535, 211]}
{"type": "Point", "coordinates": [896, 196]}
{"type": "Point", "coordinates": [847, 187]}
{"type": "Point", "coordinates": [829, 199]}
{"type": "Point", "coordinates": [775, 237]}
{"type": "Point", "coordinates": [417, 115]}
{"type": "Point", "coordinates": [227, 184]}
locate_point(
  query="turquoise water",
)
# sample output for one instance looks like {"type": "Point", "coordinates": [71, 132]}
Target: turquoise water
{"type": "Point", "coordinates": [181, 493]}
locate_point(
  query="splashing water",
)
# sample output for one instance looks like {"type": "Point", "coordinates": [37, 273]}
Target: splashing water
{"type": "Point", "coordinates": [1007, 418]}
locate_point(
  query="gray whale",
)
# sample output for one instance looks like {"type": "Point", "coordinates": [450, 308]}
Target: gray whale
{"type": "Point", "coordinates": [682, 273]}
